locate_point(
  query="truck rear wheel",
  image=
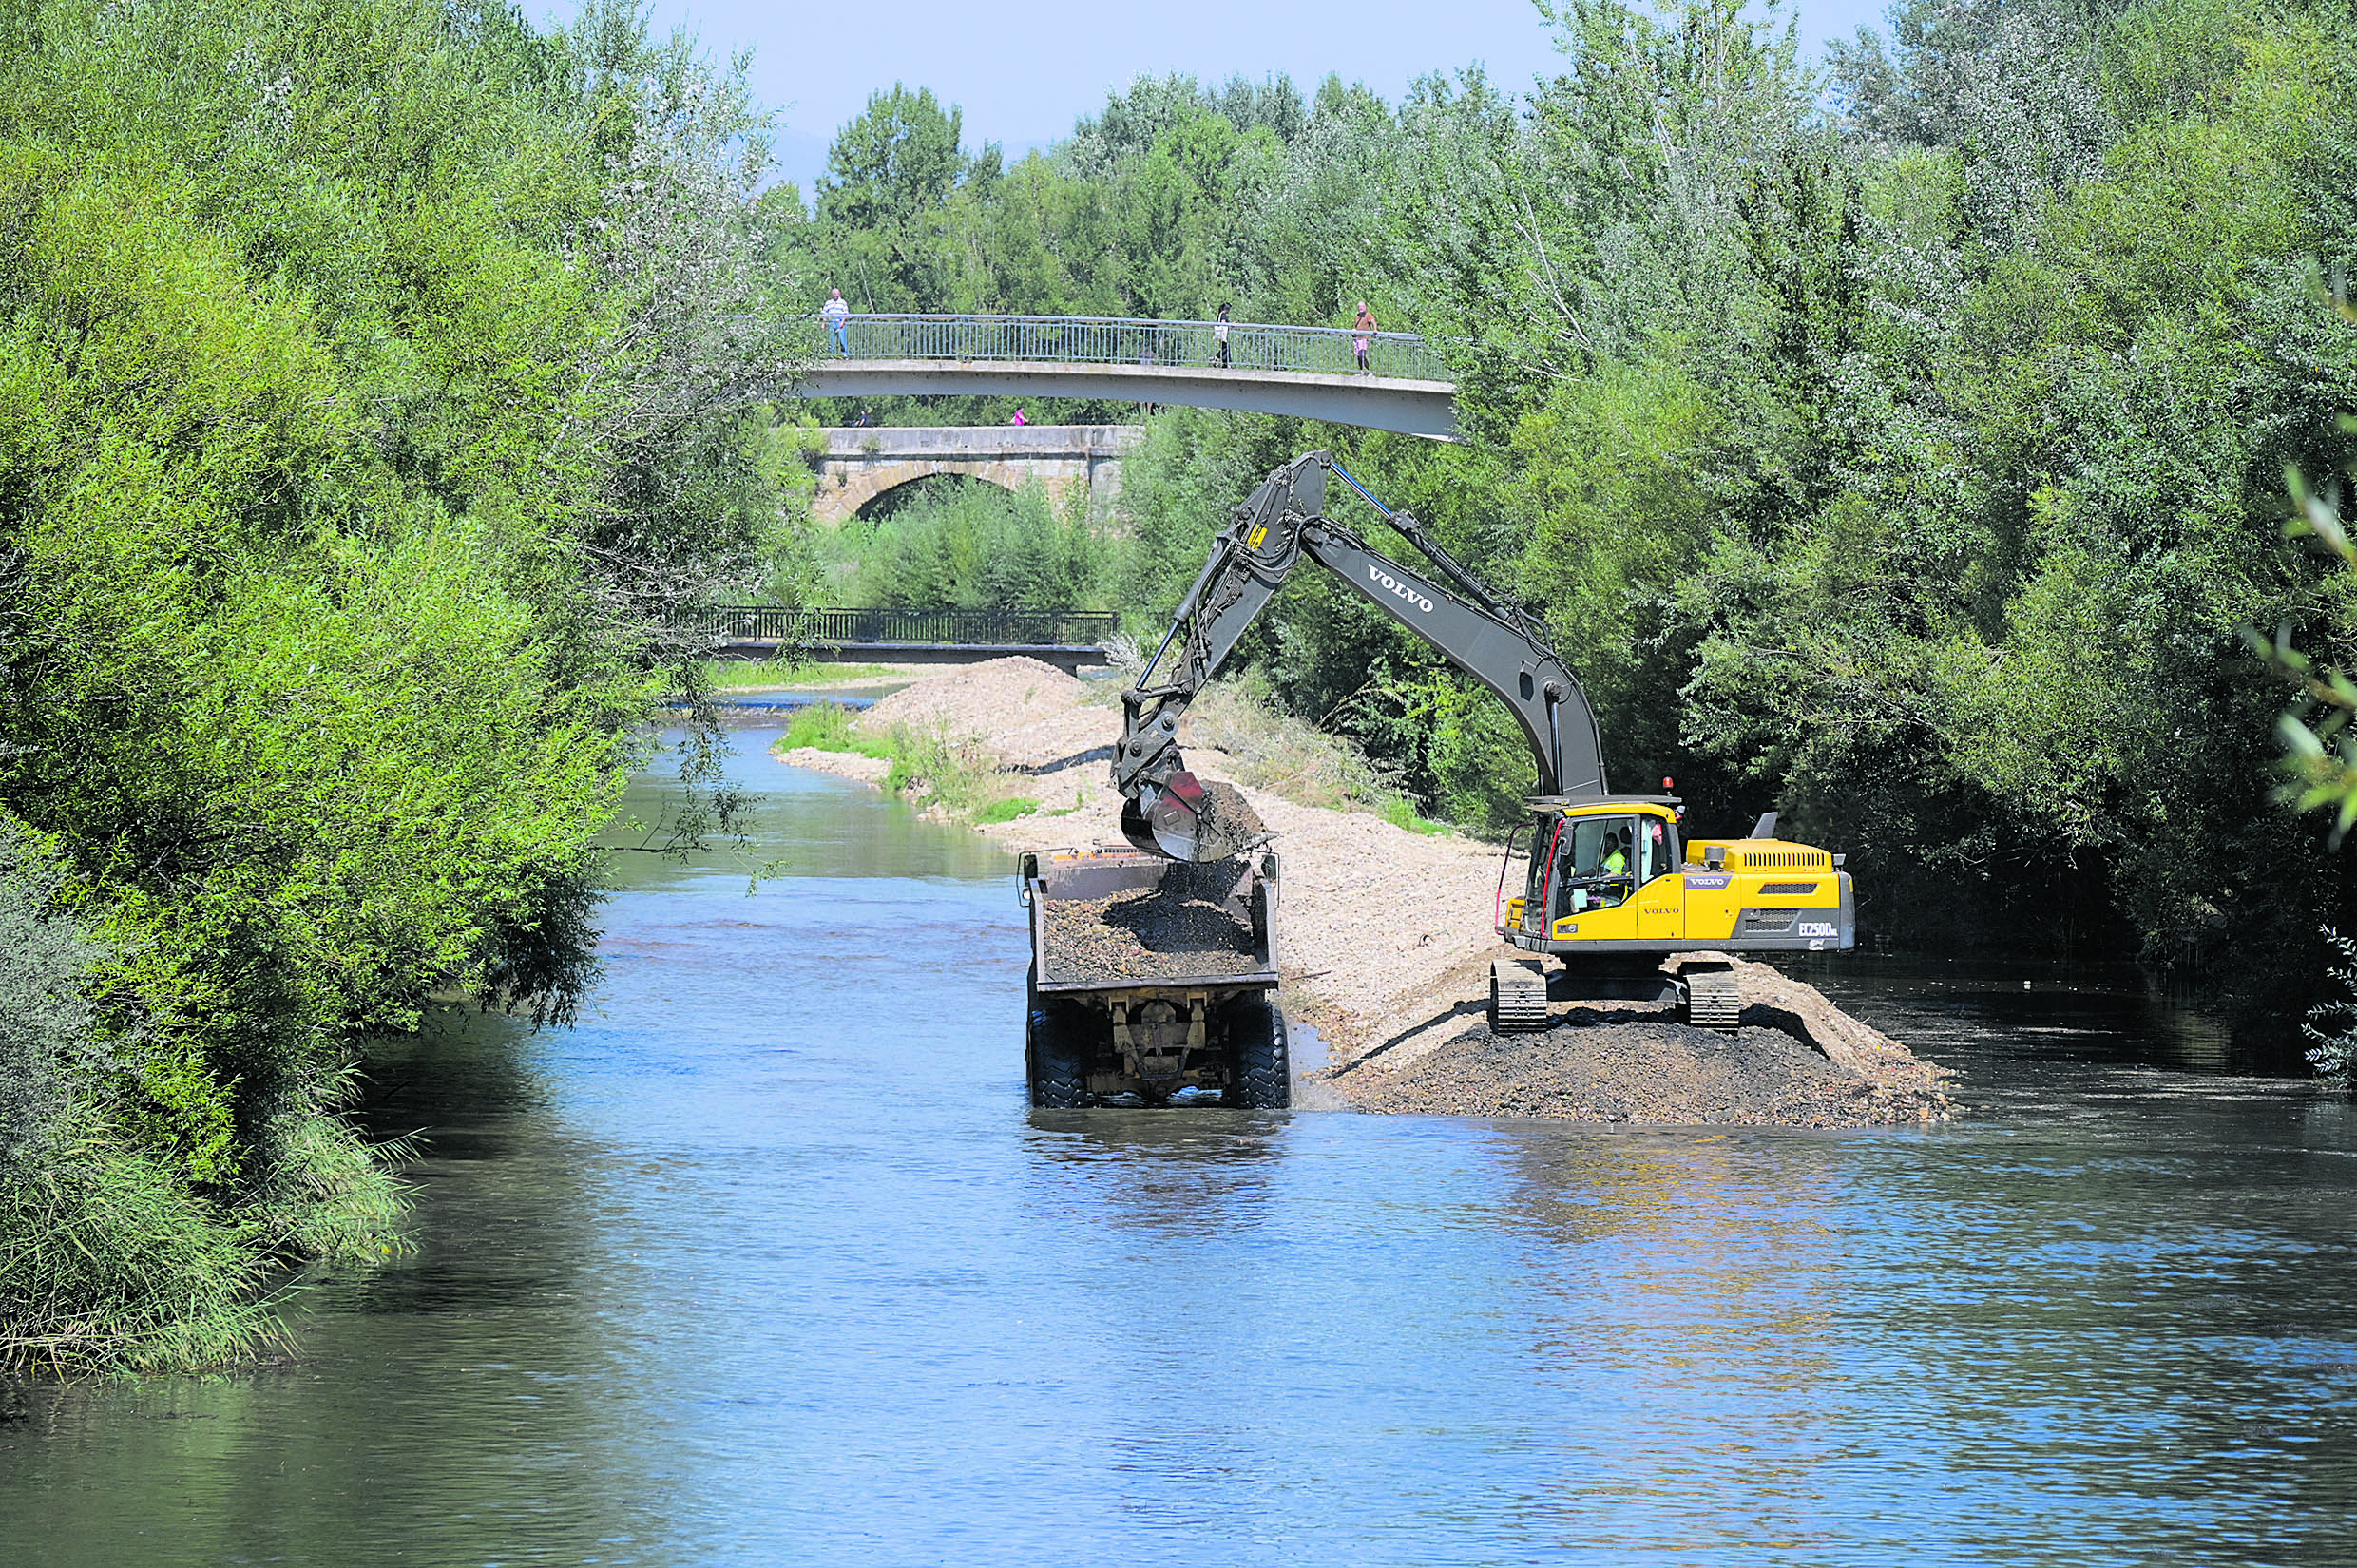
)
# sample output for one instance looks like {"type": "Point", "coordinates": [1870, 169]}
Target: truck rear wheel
{"type": "Point", "coordinates": [1054, 1050]}
{"type": "Point", "coordinates": [1260, 1075]}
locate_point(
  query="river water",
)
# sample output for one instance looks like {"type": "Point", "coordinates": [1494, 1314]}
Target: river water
{"type": "Point", "coordinates": [767, 1262]}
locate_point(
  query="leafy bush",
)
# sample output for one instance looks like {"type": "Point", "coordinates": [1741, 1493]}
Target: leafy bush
{"type": "Point", "coordinates": [48, 1025]}
{"type": "Point", "coordinates": [975, 547]}
{"type": "Point", "coordinates": [2331, 1026]}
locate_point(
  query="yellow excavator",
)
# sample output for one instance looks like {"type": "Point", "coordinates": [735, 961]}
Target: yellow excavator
{"type": "Point", "coordinates": [1612, 887]}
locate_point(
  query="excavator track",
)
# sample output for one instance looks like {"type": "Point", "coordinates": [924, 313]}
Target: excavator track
{"type": "Point", "coordinates": [1709, 996]}
{"type": "Point", "coordinates": [1518, 997]}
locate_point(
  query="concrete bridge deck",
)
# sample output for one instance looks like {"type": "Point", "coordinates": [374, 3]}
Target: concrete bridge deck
{"type": "Point", "coordinates": [1372, 402]}
{"type": "Point", "coordinates": [1311, 373]}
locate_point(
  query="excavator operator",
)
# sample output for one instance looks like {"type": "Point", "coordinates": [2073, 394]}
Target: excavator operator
{"type": "Point", "coordinates": [1593, 870]}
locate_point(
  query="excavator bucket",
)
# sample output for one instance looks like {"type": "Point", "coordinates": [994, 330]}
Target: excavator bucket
{"type": "Point", "coordinates": [1190, 820]}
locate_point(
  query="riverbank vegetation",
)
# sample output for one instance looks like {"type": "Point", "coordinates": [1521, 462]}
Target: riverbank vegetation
{"type": "Point", "coordinates": [376, 374]}
{"type": "Point", "coordinates": [1898, 440]}
{"type": "Point", "coordinates": [935, 766]}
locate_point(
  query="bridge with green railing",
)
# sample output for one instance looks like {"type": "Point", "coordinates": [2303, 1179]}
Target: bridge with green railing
{"type": "Point", "coordinates": [1311, 373]}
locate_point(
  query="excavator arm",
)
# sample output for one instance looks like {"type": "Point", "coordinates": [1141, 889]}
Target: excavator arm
{"type": "Point", "coordinates": [1167, 811]}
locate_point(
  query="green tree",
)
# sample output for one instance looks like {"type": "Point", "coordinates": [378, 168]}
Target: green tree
{"type": "Point", "coordinates": [371, 391]}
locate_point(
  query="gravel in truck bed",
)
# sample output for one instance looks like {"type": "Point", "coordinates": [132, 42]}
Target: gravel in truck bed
{"type": "Point", "coordinates": [1175, 931]}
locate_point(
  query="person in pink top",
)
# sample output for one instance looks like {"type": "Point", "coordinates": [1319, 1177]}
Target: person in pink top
{"type": "Point", "coordinates": [1363, 333]}
{"type": "Point", "coordinates": [1019, 419]}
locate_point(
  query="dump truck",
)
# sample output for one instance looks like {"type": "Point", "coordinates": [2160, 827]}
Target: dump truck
{"type": "Point", "coordinates": [1151, 978]}
{"type": "Point", "coordinates": [1608, 891]}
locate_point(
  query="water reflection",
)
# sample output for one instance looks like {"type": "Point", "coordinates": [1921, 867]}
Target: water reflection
{"type": "Point", "coordinates": [2022, 1015]}
{"type": "Point", "coordinates": [483, 1334]}
{"type": "Point", "coordinates": [1661, 1266]}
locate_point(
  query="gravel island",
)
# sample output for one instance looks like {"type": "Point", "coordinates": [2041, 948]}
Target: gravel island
{"type": "Point", "coordinates": [1385, 945]}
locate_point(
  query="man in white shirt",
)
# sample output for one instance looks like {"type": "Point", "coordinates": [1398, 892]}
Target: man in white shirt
{"type": "Point", "coordinates": [837, 312]}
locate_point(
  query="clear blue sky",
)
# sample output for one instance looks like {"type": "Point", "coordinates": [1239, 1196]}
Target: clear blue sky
{"type": "Point", "coordinates": [1025, 69]}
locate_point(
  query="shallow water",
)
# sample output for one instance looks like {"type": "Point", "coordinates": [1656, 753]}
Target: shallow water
{"type": "Point", "coordinates": [767, 1262]}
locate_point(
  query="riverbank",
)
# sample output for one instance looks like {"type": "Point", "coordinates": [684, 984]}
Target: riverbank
{"type": "Point", "coordinates": [1387, 936]}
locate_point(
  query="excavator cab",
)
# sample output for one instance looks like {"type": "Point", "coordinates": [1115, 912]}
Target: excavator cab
{"type": "Point", "coordinates": [1589, 863]}
{"type": "Point", "coordinates": [1602, 860]}
{"type": "Point", "coordinates": [1614, 874]}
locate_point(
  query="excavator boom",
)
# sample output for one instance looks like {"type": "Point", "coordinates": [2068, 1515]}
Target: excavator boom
{"type": "Point", "coordinates": [1168, 811]}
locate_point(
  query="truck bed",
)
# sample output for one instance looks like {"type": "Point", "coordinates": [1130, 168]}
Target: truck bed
{"type": "Point", "coordinates": [1114, 921]}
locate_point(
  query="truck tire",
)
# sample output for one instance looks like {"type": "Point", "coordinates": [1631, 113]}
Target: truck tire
{"type": "Point", "coordinates": [1054, 1052]}
{"type": "Point", "coordinates": [1260, 1068]}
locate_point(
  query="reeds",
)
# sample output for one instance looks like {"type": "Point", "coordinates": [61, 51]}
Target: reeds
{"type": "Point", "coordinates": [109, 1264]}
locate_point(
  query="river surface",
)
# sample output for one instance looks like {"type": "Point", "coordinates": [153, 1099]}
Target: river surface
{"type": "Point", "coordinates": [767, 1263]}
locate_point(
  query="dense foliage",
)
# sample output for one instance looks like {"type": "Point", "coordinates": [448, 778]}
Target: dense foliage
{"type": "Point", "coordinates": [1901, 441]}
{"type": "Point", "coordinates": [964, 544]}
{"type": "Point", "coordinates": [374, 374]}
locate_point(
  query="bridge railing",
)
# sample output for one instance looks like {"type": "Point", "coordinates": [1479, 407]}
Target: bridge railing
{"type": "Point", "coordinates": [1094, 340]}
{"type": "Point", "coordinates": [1028, 628]}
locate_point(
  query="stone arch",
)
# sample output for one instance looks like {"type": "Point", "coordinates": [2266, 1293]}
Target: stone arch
{"type": "Point", "coordinates": [847, 488]}
{"type": "Point", "coordinates": [860, 484]}
{"type": "Point", "coordinates": [882, 497]}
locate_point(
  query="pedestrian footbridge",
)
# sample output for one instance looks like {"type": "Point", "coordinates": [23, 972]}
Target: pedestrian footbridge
{"type": "Point", "coordinates": [1310, 373]}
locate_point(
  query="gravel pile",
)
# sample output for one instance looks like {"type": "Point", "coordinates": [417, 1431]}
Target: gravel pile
{"type": "Point", "coordinates": [1641, 1071]}
{"type": "Point", "coordinates": [1032, 715]}
{"type": "Point", "coordinates": [1179, 930]}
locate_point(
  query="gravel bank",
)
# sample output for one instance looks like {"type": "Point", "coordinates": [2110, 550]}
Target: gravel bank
{"type": "Point", "coordinates": [1387, 942]}
{"type": "Point", "coordinates": [1631, 1071]}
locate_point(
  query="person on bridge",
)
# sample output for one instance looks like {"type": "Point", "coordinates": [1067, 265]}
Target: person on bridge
{"type": "Point", "coordinates": [1219, 333]}
{"type": "Point", "coordinates": [837, 315]}
{"type": "Point", "coordinates": [1019, 419]}
{"type": "Point", "coordinates": [1363, 333]}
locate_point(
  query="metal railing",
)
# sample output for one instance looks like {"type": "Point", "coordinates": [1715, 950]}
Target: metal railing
{"type": "Point", "coordinates": [1024, 628]}
{"type": "Point", "coordinates": [1092, 340]}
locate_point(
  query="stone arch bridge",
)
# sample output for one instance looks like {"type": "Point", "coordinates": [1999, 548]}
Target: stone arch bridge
{"type": "Point", "coordinates": [1076, 463]}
